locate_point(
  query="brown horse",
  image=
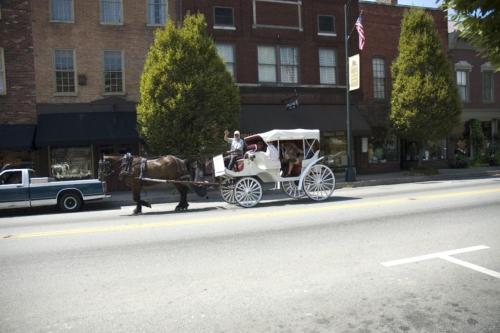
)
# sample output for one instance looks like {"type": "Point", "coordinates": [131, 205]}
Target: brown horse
{"type": "Point", "coordinates": [132, 169]}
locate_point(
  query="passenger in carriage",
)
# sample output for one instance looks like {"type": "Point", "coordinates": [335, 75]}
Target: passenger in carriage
{"type": "Point", "coordinates": [236, 150]}
{"type": "Point", "coordinates": [292, 155]}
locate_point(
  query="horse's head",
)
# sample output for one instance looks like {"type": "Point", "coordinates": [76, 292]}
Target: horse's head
{"type": "Point", "coordinates": [108, 165]}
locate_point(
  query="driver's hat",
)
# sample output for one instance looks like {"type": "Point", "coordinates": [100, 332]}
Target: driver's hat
{"type": "Point", "coordinates": [237, 133]}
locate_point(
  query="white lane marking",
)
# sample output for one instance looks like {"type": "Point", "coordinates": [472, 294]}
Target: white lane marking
{"type": "Point", "coordinates": [433, 255]}
{"type": "Point", "coordinates": [447, 255]}
{"type": "Point", "coordinates": [472, 266]}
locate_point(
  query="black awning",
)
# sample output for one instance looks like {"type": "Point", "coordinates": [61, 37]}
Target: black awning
{"type": "Point", "coordinates": [84, 128]}
{"type": "Point", "coordinates": [14, 137]}
{"type": "Point", "coordinates": [326, 118]}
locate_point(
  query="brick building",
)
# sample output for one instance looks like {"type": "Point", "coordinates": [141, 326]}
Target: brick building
{"type": "Point", "coordinates": [89, 57]}
{"type": "Point", "coordinates": [295, 57]}
{"type": "Point", "coordinates": [17, 87]}
{"type": "Point", "coordinates": [382, 26]}
{"type": "Point", "coordinates": [479, 88]}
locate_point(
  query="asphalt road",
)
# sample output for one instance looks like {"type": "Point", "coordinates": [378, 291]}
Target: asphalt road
{"type": "Point", "coordinates": [284, 266]}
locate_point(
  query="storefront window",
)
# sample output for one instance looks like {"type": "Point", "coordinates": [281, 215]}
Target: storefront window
{"type": "Point", "coordinates": [382, 150]}
{"type": "Point", "coordinates": [334, 148]}
{"type": "Point", "coordinates": [71, 163]}
{"type": "Point", "coordinates": [434, 151]}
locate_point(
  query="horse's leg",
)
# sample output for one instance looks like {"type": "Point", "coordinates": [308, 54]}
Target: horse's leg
{"type": "Point", "coordinates": [136, 193]}
{"type": "Point", "coordinates": [183, 204]}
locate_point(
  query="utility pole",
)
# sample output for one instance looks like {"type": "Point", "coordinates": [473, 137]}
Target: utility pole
{"type": "Point", "coordinates": [350, 174]}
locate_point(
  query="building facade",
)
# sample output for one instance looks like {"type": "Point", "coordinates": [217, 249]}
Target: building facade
{"type": "Point", "coordinates": [17, 84]}
{"type": "Point", "coordinates": [479, 88]}
{"type": "Point", "coordinates": [381, 152]}
{"type": "Point", "coordinates": [88, 60]}
{"type": "Point", "coordinates": [288, 59]}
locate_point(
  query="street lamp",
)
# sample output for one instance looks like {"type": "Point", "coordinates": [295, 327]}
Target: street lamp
{"type": "Point", "coordinates": [350, 174]}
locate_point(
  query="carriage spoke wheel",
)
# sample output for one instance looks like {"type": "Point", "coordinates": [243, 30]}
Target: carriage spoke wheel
{"type": "Point", "coordinates": [319, 182]}
{"type": "Point", "coordinates": [248, 192]}
{"type": "Point", "coordinates": [227, 190]}
{"type": "Point", "coordinates": [292, 190]}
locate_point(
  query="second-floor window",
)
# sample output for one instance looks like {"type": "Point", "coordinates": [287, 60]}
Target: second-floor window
{"type": "Point", "coordinates": [111, 12]}
{"type": "Point", "coordinates": [61, 10]}
{"type": "Point", "coordinates": [226, 52]}
{"type": "Point", "coordinates": [157, 12]}
{"type": "Point", "coordinates": [326, 25]}
{"type": "Point", "coordinates": [463, 84]}
{"type": "Point", "coordinates": [3, 84]}
{"type": "Point", "coordinates": [327, 66]}
{"type": "Point", "coordinates": [113, 72]}
{"type": "Point", "coordinates": [378, 67]}
{"type": "Point", "coordinates": [488, 86]}
{"type": "Point", "coordinates": [223, 17]}
{"type": "Point", "coordinates": [64, 66]}
{"type": "Point", "coordinates": [284, 58]}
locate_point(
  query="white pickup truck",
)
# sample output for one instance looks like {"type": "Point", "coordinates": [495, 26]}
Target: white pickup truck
{"type": "Point", "coordinates": [19, 188]}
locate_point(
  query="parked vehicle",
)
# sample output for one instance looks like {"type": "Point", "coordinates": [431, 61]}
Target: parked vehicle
{"type": "Point", "coordinates": [19, 188]}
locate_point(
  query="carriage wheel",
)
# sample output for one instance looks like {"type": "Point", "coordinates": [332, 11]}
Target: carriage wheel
{"type": "Point", "coordinates": [291, 189]}
{"type": "Point", "coordinates": [248, 192]}
{"type": "Point", "coordinates": [319, 182]}
{"type": "Point", "coordinates": [227, 190]}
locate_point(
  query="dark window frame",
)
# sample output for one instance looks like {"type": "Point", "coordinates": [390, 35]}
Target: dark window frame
{"type": "Point", "coordinates": [328, 32]}
{"type": "Point", "coordinates": [216, 24]}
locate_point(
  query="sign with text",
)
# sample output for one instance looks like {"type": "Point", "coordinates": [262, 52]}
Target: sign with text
{"type": "Point", "coordinates": [354, 72]}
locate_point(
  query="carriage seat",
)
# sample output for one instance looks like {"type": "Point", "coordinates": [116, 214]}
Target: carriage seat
{"type": "Point", "coordinates": [239, 165]}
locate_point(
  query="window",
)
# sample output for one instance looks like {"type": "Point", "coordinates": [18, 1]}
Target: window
{"type": "Point", "coordinates": [378, 67]}
{"type": "Point", "coordinates": [267, 63]}
{"type": "Point", "coordinates": [223, 17]}
{"type": "Point", "coordinates": [463, 85]}
{"type": "Point", "coordinates": [111, 11]}
{"type": "Point", "coordinates": [64, 66]}
{"type": "Point", "coordinates": [382, 149]}
{"type": "Point", "coordinates": [3, 84]}
{"type": "Point", "coordinates": [488, 86]}
{"type": "Point", "coordinates": [71, 163]}
{"type": "Point", "coordinates": [157, 12]}
{"type": "Point", "coordinates": [327, 66]}
{"type": "Point", "coordinates": [326, 25]}
{"type": "Point", "coordinates": [113, 72]}
{"type": "Point", "coordinates": [289, 59]}
{"type": "Point", "coordinates": [61, 10]}
{"type": "Point", "coordinates": [226, 52]}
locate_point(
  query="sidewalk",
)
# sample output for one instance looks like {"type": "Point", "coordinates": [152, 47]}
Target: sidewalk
{"type": "Point", "coordinates": [167, 193]}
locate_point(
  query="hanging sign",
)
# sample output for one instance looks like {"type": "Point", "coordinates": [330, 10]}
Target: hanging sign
{"type": "Point", "coordinates": [354, 72]}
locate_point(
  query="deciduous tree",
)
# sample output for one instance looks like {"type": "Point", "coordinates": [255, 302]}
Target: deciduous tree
{"type": "Point", "coordinates": [479, 23]}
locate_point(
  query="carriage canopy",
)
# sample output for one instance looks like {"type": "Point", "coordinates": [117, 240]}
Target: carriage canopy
{"type": "Point", "coordinates": [289, 134]}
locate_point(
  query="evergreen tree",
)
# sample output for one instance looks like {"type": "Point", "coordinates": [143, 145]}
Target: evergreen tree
{"type": "Point", "coordinates": [425, 105]}
{"type": "Point", "coordinates": [187, 98]}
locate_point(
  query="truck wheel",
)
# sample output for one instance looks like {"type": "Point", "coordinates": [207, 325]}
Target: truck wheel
{"type": "Point", "coordinates": [70, 202]}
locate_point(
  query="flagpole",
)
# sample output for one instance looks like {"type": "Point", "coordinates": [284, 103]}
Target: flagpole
{"type": "Point", "coordinates": [350, 174]}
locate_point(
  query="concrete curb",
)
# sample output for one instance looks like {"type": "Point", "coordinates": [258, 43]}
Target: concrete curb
{"type": "Point", "coordinates": [164, 194]}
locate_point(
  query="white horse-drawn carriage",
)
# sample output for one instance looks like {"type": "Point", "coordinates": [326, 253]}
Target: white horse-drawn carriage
{"type": "Point", "coordinates": [243, 184]}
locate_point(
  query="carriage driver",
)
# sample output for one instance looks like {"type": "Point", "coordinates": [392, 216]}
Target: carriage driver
{"type": "Point", "coordinates": [236, 150]}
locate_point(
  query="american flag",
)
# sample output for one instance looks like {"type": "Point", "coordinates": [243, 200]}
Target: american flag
{"type": "Point", "coordinates": [361, 32]}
